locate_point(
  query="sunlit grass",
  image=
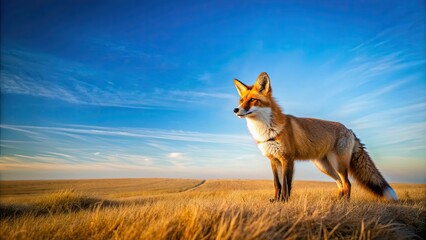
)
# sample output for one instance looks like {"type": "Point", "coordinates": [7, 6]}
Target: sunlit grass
{"type": "Point", "coordinates": [216, 209]}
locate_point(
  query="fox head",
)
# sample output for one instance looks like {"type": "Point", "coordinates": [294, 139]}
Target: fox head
{"type": "Point", "coordinates": [254, 100]}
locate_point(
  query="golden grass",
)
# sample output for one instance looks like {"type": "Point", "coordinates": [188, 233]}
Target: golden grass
{"type": "Point", "coordinates": [216, 209]}
{"type": "Point", "coordinates": [27, 190]}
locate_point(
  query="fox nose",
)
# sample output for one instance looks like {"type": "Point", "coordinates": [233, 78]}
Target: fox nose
{"type": "Point", "coordinates": [236, 110]}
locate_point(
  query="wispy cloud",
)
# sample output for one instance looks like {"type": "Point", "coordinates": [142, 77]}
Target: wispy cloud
{"type": "Point", "coordinates": [381, 58]}
{"type": "Point", "coordinates": [175, 155]}
{"type": "Point", "coordinates": [40, 159]}
{"type": "Point", "coordinates": [178, 159]}
{"type": "Point", "coordinates": [106, 149]}
{"type": "Point", "coordinates": [370, 99]}
{"type": "Point", "coordinates": [28, 73]}
{"type": "Point", "coordinates": [176, 135]}
{"type": "Point", "coordinates": [205, 77]}
{"type": "Point", "coordinates": [131, 146]}
{"type": "Point", "coordinates": [115, 53]}
{"type": "Point", "coordinates": [392, 117]}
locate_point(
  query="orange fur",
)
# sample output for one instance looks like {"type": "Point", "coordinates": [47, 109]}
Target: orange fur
{"type": "Point", "coordinates": [283, 138]}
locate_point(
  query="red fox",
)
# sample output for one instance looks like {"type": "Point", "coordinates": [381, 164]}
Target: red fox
{"type": "Point", "coordinates": [283, 138]}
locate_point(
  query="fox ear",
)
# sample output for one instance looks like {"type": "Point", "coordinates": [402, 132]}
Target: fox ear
{"type": "Point", "coordinates": [262, 84]}
{"type": "Point", "coordinates": [241, 88]}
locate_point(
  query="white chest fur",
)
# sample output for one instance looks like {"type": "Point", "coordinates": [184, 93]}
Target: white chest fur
{"type": "Point", "coordinates": [270, 148]}
{"type": "Point", "coordinates": [262, 129]}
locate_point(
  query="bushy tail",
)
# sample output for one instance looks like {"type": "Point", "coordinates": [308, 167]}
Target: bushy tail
{"type": "Point", "coordinates": [367, 175]}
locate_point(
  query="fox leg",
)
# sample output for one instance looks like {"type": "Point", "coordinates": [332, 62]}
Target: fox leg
{"type": "Point", "coordinates": [276, 170]}
{"type": "Point", "coordinates": [325, 167]}
{"type": "Point", "coordinates": [342, 166]}
{"type": "Point", "coordinates": [346, 186]}
{"type": "Point", "coordinates": [287, 178]}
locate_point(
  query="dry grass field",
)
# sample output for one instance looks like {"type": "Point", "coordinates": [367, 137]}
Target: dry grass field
{"type": "Point", "coordinates": [198, 209]}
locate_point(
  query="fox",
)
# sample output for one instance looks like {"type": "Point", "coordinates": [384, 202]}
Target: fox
{"type": "Point", "coordinates": [334, 149]}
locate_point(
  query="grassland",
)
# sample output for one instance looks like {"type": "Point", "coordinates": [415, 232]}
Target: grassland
{"type": "Point", "coordinates": [197, 209]}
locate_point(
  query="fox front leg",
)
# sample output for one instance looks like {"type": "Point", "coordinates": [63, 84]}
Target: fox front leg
{"type": "Point", "coordinates": [276, 170]}
{"type": "Point", "coordinates": [287, 178]}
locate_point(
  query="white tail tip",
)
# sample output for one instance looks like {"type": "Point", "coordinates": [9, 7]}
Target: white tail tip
{"type": "Point", "coordinates": [390, 194]}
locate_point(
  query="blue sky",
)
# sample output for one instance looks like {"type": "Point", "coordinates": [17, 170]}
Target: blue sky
{"type": "Point", "coordinates": [102, 89]}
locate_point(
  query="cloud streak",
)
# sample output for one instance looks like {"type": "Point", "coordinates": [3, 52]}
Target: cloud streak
{"type": "Point", "coordinates": [175, 135]}
{"type": "Point", "coordinates": [27, 73]}
{"type": "Point", "coordinates": [370, 99]}
{"type": "Point", "coordinates": [129, 146]}
{"type": "Point", "coordinates": [381, 58]}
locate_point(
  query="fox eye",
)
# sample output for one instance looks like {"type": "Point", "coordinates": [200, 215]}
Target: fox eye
{"type": "Point", "coordinates": [252, 99]}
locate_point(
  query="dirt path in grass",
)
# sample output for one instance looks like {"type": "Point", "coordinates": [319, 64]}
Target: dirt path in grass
{"type": "Point", "coordinates": [195, 186]}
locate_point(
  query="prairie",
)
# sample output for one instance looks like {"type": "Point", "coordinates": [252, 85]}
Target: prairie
{"type": "Point", "coordinates": [203, 209]}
